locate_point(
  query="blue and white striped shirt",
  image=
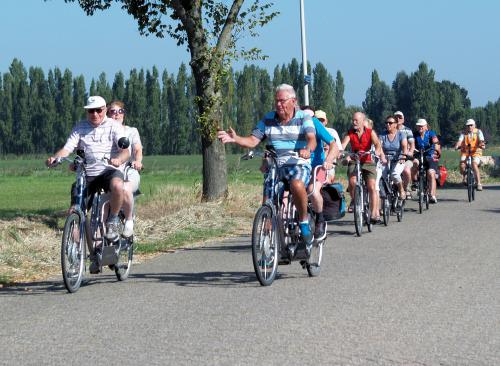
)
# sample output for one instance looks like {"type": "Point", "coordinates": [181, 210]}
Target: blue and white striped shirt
{"type": "Point", "coordinates": [287, 139]}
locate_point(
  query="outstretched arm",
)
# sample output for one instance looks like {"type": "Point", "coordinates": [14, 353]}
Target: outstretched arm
{"type": "Point", "coordinates": [232, 137]}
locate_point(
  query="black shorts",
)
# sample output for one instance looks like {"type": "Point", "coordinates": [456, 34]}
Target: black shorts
{"type": "Point", "coordinates": [94, 184]}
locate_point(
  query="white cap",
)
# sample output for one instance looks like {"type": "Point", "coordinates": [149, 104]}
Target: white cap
{"type": "Point", "coordinates": [421, 122]}
{"type": "Point", "coordinates": [399, 113]}
{"type": "Point", "coordinates": [470, 122]}
{"type": "Point", "coordinates": [95, 101]}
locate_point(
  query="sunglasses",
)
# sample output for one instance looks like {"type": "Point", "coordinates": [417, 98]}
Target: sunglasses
{"type": "Point", "coordinates": [95, 110]}
{"type": "Point", "coordinates": [399, 117]}
{"type": "Point", "coordinates": [390, 123]}
{"type": "Point", "coordinates": [116, 111]}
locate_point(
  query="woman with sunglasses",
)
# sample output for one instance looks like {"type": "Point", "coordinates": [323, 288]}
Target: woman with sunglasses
{"type": "Point", "coordinates": [116, 110]}
{"type": "Point", "coordinates": [394, 143]}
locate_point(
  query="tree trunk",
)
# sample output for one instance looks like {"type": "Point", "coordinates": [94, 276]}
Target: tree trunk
{"type": "Point", "coordinates": [214, 170]}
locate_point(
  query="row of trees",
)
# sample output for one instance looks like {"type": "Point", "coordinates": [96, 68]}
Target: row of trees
{"type": "Point", "coordinates": [39, 111]}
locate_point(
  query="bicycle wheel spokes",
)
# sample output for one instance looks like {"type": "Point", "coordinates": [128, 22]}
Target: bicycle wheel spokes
{"type": "Point", "coordinates": [72, 253]}
{"type": "Point", "coordinates": [358, 210]}
{"type": "Point", "coordinates": [367, 211]}
{"type": "Point", "coordinates": [264, 246]}
{"type": "Point", "coordinates": [386, 209]}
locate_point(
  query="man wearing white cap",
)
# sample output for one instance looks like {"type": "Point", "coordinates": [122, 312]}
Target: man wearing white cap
{"type": "Point", "coordinates": [408, 134]}
{"type": "Point", "coordinates": [474, 137]}
{"type": "Point", "coordinates": [98, 137]}
{"type": "Point", "coordinates": [427, 139]}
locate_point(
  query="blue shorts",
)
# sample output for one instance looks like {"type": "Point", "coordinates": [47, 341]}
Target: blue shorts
{"type": "Point", "coordinates": [288, 173]}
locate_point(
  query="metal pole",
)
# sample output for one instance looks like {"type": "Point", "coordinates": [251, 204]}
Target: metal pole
{"type": "Point", "coordinates": [304, 52]}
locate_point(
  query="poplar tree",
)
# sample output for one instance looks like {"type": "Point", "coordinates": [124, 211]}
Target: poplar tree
{"type": "Point", "coordinates": [424, 96]}
{"type": "Point", "coordinates": [118, 88]}
{"type": "Point", "coordinates": [323, 90]}
{"type": "Point", "coordinates": [151, 127]}
{"type": "Point", "coordinates": [21, 129]}
{"type": "Point", "coordinates": [379, 101]}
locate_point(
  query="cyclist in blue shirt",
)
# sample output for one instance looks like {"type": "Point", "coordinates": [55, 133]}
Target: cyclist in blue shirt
{"type": "Point", "coordinates": [318, 158]}
{"type": "Point", "coordinates": [424, 139]}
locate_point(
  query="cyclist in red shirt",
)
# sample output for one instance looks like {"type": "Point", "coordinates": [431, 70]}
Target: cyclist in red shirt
{"type": "Point", "coordinates": [361, 139]}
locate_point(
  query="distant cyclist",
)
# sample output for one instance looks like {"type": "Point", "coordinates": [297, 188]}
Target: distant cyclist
{"type": "Point", "coordinates": [361, 139]}
{"type": "Point", "coordinates": [407, 132]}
{"type": "Point", "coordinates": [318, 158]}
{"type": "Point", "coordinates": [394, 144]}
{"type": "Point", "coordinates": [474, 137]}
{"type": "Point", "coordinates": [427, 139]}
{"type": "Point", "coordinates": [321, 116]}
{"type": "Point", "coordinates": [292, 134]}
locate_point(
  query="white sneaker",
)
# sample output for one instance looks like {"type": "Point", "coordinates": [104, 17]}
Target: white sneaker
{"type": "Point", "coordinates": [128, 229]}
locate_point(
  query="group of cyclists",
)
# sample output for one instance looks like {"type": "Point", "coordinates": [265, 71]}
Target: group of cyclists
{"type": "Point", "coordinates": [300, 141]}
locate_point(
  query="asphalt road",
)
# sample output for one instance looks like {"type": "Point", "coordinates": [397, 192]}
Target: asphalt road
{"type": "Point", "coordinates": [422, 292]}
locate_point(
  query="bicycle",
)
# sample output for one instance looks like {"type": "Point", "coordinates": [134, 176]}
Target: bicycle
{"type": "Point", "coordinates": [390, 199]}
{"type": "Point", "coordinates": [422, 187]}
{"type": "Point", "coordinates": [276, 237]}
{"type": "Point", "coordinates": [78, 230]}
{"type": "Point", "coordinates": [470, 177]}
{"type": "Point", "coordinates": [361, 198]}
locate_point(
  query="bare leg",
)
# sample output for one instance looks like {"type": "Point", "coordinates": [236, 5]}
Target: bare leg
{"type": "Point", "coordinates": [128, 201]}
{"type": "Point", "coordinates": [373, 198]}
{"type": "Point", "coordinates": [116, 200]}
{"type": "Point", "coordinates": [300, 198]}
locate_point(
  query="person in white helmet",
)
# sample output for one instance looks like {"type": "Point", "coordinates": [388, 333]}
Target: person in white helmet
{"type": "Point", "coordinates": [474, 137]}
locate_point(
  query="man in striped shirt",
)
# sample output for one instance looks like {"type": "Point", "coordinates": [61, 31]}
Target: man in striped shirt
{"type": "Point", "coordinates": [98, 137]}
{"type": "Point", "coordinates": [292, 134]}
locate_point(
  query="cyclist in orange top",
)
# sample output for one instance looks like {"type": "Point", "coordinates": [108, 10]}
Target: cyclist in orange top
{"type": "Point", "coordinates": [361, 138]}
{"type": "Point", "coordinates": [473, 136]}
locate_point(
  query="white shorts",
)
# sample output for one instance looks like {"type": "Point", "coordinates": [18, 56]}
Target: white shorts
{"type": "Point", "coordinates": [133, 179]}
{"type": "Point", "coordinates": [475, 159]}
{"type": "Point", "coordinates": [396, 172]}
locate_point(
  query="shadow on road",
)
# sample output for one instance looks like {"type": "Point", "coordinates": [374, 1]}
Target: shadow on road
{"type": "Point", "coordinates": [197, 279]}
{"type": "Point", "coordinates": [33, 288]}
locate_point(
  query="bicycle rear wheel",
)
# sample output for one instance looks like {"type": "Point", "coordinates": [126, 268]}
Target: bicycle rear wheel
{"type": "Point", "coordinates": [73, 254]}
{"type": "Point", "coordinates": [358, 210]}
{"type": "Point", "coordinates": [265, 250]}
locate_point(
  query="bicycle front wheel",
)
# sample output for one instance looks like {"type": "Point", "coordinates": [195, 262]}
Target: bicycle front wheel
{"type": "Point", "coordinates": [470, 184]}
{"type": "Point", "coordinates": [73, 253]}
{"type": "Point", "coordinates": [124, 264]}
{"type": "Point", "coordinates": [313, 264]}
{"type": "Point", "coordinates": [400, 209]}
{"type": "Point", "coordinates": [265, 250]}
{"type": "Point", "coordinates": [420, 193]}
{"type": "Point", "coordinates": [358, 210]}
{"type": "Point", "coordinates": [386, 209]}
{"type": "Point", "coordinates": [367, 211]}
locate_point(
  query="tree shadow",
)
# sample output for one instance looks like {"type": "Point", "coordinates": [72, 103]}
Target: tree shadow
{"type": "Point", "coordinates": [46, 217]}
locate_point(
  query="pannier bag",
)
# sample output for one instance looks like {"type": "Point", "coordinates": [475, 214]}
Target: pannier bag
{"type": "Point", "coordinates": [333, 201]}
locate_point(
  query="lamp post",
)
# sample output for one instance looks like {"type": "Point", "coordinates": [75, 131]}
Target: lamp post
{"type": "Point", "coordinates": [307, 78]}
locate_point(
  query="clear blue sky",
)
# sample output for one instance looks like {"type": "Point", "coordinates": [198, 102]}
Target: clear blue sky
{"type": "Point", "coordinates": [459, 39]}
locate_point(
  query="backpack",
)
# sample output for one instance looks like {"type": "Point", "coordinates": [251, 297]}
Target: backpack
{"type": "Point", "coordinates": [334, 206]}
